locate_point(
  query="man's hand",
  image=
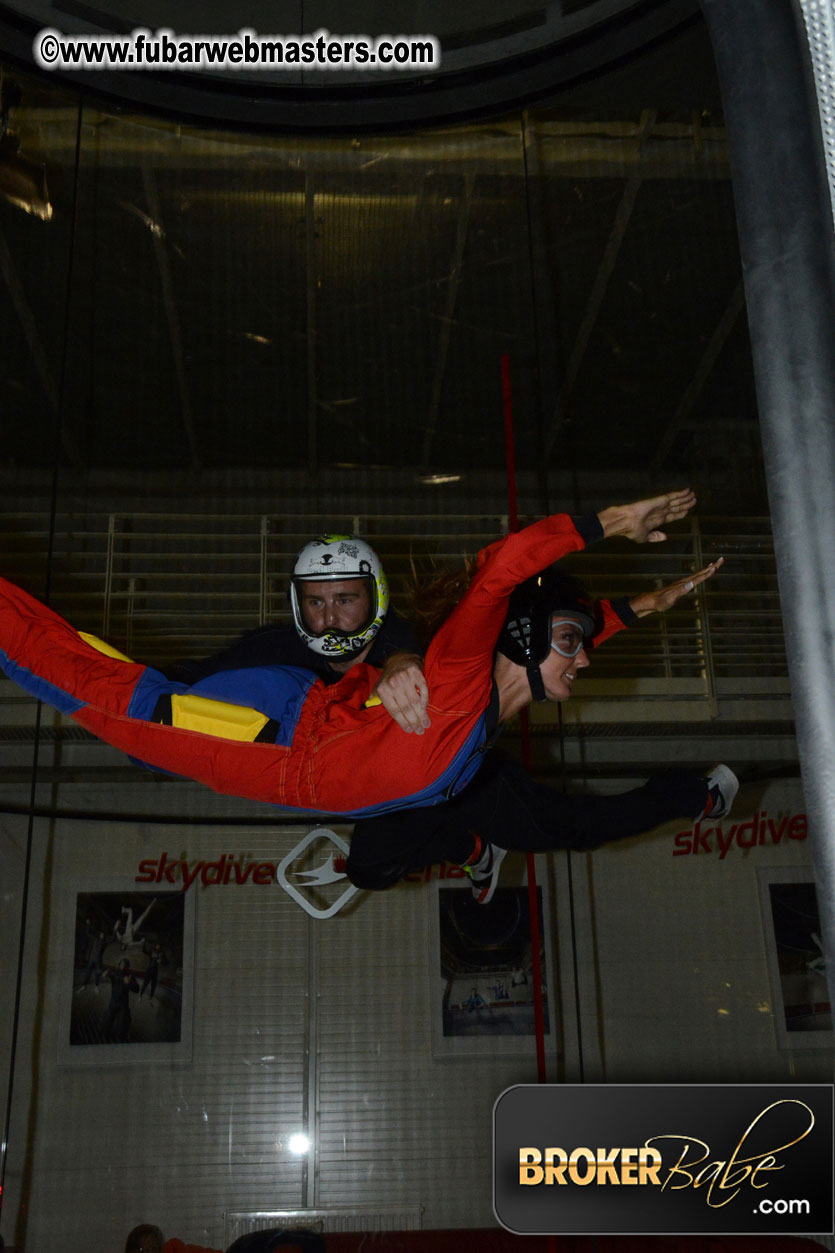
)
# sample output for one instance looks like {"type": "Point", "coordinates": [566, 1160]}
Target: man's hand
{"type": "Point", "coordinates": [403, 692]}
{"type": "Point", "coordinates": [666, 597]}
{"type": "Point", "coordinates": [640, 521]}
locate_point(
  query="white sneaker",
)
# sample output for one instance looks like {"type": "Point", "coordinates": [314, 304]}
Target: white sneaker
{"type": "Point", "coordinates": [485, 873]}
{"type": "Point", "coordinates": [723, 786]}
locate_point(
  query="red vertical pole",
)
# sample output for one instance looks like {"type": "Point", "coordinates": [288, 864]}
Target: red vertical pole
{"type": "Point", "coordinates": [533, 902]}
{"type": "Point", "coordinates": [509, 445]}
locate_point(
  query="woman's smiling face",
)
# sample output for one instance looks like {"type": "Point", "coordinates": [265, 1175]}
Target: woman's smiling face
{"type": "Point", "coordinates": [567, 656]}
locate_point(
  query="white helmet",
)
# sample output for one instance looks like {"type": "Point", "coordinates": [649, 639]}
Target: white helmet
{"type": "Point", "coordinates": [337, 557]}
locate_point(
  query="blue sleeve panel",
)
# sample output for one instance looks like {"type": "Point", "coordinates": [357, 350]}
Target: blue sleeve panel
{"type": "Point", "coordinates": [150, 686]}
{"type": "Point", "coordinates": [38, 687]}
{"type": "Point", "coordinates": [277, 692]}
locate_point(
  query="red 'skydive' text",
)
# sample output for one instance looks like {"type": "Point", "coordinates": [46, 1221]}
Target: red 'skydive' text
{"type": "Point", "coordinates": [721, 838]}
{"type": "Point", "coordinates": [230, 869]}
{"type": "Point", "coordinates": [227, 869]}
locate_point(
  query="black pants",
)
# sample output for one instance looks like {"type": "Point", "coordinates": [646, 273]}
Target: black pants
{"type": "Point", "coordinates": [117, 1022]}
{"type": "Point", "coordinates": [503, 805]}
{"type": "Point", "coordinates": [94, 967]}
{"type": "Point", "coordinates": [151, 976]}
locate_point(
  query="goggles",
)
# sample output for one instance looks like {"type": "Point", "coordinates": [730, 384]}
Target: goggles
{"type": "Point", "coordinates": [569, 637]}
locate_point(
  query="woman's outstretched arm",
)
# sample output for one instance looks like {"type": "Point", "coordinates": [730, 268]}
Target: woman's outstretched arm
{"type": "Point", "coordinates": [468, 637]}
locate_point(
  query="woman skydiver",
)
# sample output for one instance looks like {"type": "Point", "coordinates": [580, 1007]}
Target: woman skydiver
{"type": "Point", "coordinates": [277, 734]}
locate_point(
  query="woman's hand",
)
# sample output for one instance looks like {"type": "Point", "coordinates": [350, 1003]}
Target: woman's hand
{"type": "Point", "coordinates": [666, 597]}
{"type": "Point", "coordinates": [640, 521]}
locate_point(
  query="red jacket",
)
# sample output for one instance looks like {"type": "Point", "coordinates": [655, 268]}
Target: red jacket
{"type": "Point", "coordinates": [339, 756]}
{"type": "Point", "coordinates": [177, 1246]}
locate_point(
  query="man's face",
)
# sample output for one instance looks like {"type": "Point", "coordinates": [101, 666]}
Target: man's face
{"type": "Point", "coordinates": [334, 605]}
{"type": "Point", "coordinates": [558, 672]}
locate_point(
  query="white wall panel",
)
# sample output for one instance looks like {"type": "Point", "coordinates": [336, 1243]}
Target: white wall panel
{"type": "Point", "coordinates": [674, 985]}
{"type": "Point", "coordinates": [675, 975]}
{"type": "Point", "coordinates": [398, 1122]}
{"type": "Point", "coordinates": [174, 1144]}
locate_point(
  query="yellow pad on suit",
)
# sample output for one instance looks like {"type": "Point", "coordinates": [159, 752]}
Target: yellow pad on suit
{"type": "Point", "coordinates": [101, 647]}
{"type": "Point", "coordinates": [215, 717]}
{"type": "Point", "coordinates": [199, 713]}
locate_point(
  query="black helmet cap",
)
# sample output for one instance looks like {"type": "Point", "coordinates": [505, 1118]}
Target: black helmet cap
{"type": "Point", "coordinates": [526, 635]}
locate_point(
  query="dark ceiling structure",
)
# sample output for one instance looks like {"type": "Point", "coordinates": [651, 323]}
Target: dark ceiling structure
{"type": "Point", "coordinates": [494, 55]}
{"type": "Point", "coordinates": [201, 300]}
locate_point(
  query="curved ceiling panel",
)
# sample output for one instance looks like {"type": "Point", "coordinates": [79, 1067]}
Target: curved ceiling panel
{"type": "Point", "coordinates": [493, 55]}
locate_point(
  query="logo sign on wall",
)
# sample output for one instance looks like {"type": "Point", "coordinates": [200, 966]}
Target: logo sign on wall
{"type": "Point", "coordinates": [301, 882]}
{"type": "Point", "coordinates": [692, 1159]}
{"type": "Point", "coordinates": [310, 873]}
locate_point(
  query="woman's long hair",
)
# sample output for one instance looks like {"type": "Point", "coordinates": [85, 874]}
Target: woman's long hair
{"type": "Point", "coordinates": [135, 1237]}
{"type": "Point", "coordinates": [434, 594]}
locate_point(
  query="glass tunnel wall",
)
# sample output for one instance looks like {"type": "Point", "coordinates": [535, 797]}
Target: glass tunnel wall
{"type": "Point", "coordinates": [217, 346]}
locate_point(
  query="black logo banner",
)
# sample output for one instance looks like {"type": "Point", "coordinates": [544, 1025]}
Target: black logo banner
{"type": "Point", "coordinates": [685, 1159]}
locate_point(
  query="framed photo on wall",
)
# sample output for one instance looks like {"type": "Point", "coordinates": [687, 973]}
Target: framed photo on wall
{"type": "Point", "coordinates": [797, 969]}
{"type": "Point", "coordinates": [127, 974]}
{"type": "Point", "coordinates": [483, 982]}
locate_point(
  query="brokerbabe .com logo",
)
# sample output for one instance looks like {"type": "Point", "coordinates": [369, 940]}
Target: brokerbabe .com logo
{"type": "Point", "coordinates": [312, 873]}
{"type": "Point", "coordinates": [687, 1159]}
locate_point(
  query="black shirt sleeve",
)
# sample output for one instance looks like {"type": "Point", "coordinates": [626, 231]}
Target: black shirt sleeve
{"type": "Point", "coordinates": [396, 635]}
{"type": "Point", "coordinates": [274, 645]}
{"type": "Point", "coordinates": [269, 645]}
{"type": "Point", "coordinates": [624, 610]}
{"type": "Point", "coordinates": [589, 526]}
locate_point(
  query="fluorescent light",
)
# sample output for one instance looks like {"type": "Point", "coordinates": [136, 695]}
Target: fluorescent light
{"type": "Point", "coordinates": [23, 183]}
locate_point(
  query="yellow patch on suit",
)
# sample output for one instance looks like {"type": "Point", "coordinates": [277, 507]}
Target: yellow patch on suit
{"type": "Point", "coordinates": [101, 647]}
{"type": "Point", "coordinates": [215, 717]}
{"type": "Point", "coordinates": [199, 713]}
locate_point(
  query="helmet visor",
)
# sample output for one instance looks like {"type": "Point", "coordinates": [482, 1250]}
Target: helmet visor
{"type": "Point", "coordinates": [341, 608]}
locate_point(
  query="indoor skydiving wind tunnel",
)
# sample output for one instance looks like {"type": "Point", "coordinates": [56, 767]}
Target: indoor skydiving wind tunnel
{"type": "Point", "coordinates": [218, 344]}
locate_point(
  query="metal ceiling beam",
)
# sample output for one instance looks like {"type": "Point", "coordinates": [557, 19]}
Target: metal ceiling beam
{"type": "Point", "coordinates": [674, 150]}
{"type": "Point", "coordinates": [709, 357]}
{"type": "Point", "coordinates": [34, 342]}
{"type": "Point", "coordinates": [601, 283]}
{"type": "Point", "coordinates": [172, 317]}
{"type": "Point", "coordinates": [453, 287]}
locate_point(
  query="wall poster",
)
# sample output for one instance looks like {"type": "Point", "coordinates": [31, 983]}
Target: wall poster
{"type": "Point", "coordinates": [483, 997]}
{"type": "Point", "coordinates": [128, 967]}
{"type": "Point", "coordinates": [800, 995]}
